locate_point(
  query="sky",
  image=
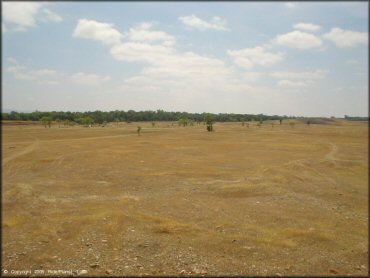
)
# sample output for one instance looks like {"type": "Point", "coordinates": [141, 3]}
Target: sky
{"type": "Point", "coordinates": [276, 58]}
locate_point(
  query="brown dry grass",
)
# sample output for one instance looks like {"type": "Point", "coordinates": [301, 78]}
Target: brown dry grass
{"type": "Point", "coordinates": [239, 201]}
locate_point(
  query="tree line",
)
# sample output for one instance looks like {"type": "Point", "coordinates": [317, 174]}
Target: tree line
{"type": "Point", "coordinates": [101, 117]}
{"type": "Point", "coordinates": [348, 118]}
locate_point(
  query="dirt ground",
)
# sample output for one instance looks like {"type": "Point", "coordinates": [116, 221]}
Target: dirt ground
{"type": "Point", "coordinates": [271, 200]}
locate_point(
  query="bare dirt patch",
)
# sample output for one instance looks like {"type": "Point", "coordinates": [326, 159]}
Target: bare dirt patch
{"type": "Point", "coordinates": [182, 201]}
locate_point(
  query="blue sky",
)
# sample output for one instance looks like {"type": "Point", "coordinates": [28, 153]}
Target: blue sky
{"type": "Point", "coordinates": [285, 58]}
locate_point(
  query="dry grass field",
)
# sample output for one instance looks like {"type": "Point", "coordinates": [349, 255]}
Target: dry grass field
{"type": "Point", "coordinates": [278, 200]}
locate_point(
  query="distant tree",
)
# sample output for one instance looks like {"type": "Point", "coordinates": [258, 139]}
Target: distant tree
{"type": "Point", "coordinates": [183, 122]}
{"type": "Point", "coordinates": [58, 121]}
{"type": "Point", "coordinates": [138, 130]}
{"type": "Point", "coordinates": [68, 123]}
{"type": "Point", "coordinates": [147, 116]}
{"type": "Point", "coordinates": [46, 121]}
{"type": "Point", "coordinates": [87, 121]}
{"type": "Point", "coordinates": [209, 120]}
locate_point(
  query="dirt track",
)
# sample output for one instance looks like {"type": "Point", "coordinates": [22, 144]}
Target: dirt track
{"type": "Point", "coordinates": [181, 201]}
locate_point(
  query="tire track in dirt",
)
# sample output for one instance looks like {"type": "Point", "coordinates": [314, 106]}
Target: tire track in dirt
{"type": "Point", "coordinates": [74, 139]}
{"type": "Point", "coordinates": [331, 155]}
{"type": "Point", "coordinates": [57, 161]}
{"type": "Point", "coordinates": [334, 150]}
{"type": "Point", "coordinates": [30, 148]}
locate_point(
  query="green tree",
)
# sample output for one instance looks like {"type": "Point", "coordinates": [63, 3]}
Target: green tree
{"type": "Point", "coordinates": [46, 121]}
{"type": "Point", "coordinates": [67, 123]}
{"type": "Point", "coordinates": [183, 122]}
{"type": "Point", "coordinates": [209, 120]}
{"type": "Point", "coordinates": [58, 121]}
{"type": "Point", "coordinates": [87, 121]}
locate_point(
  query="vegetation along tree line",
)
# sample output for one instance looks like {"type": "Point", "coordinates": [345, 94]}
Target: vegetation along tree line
{"type": "Point", "coordinates": [183, 118]}
{"type": "Point", "coordinates": [100, 117]}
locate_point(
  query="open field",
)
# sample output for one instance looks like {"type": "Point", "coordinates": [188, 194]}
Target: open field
{"type": "Point", "coordinates": [181, 201]}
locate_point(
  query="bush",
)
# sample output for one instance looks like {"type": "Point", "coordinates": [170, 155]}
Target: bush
{"type": "Point", "coordinates": [208, 119]}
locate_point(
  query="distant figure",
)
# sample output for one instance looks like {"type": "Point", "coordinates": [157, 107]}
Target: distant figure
{"type": "Point", "coordinates": [308, 122]}
{"type": "Point", "coordinates": [138, 130]}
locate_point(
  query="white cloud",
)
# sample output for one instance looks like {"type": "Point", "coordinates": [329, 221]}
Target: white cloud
{"type": "Point", "coordinates": [351, 61]}
{"type": "Point", "coordinates": [89, 79]}
{"type": "Point", "coordinates": [290, 5]}
{"type": "Point", "coordinates": [303, 75]}
{"type": "Point", "coordinates": [23, 15]}
{"type": "Point", "coordinates": [12, 60]}
{"type": "Point", "coordinates": [180, 74]}
{"type": "Point", "coordinates": [294, 80]}
{"type": "Point", "coordinates": [251, 76]}
{"type": "Point", "coordinates": [299, 40]}
{"type": "Point", "coordinates": [249, 57]}
{"type": "Point", "coordinates": [51, 16]}
{"type": "Point", "coordinates": [346, 38]}
{"type": "Point", "coordinates": [291, 84]}
{"type": "Point", "coordinates": [165, 60]}
{"type": "Point", "coordinates": [193, 21]}
{"type": "Point", "coordinates": [339, 89]}
{"type": "Point", "coordinates": [307, 26]}
{"type": "Point", "coordinates": [43, 72]}
{"type": "Point", "coordinates": [49, 82]}
{"type": "Point", "coordinates": [139, 51]}
{"type": "Point", "coordinates": [21, 72]}
{"type": "Point", "coordinates": [94, 30]}
{"type": "Point", "coordinates": [41, 76]}
{"type": "Point", "coordinates": [143, 33]}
